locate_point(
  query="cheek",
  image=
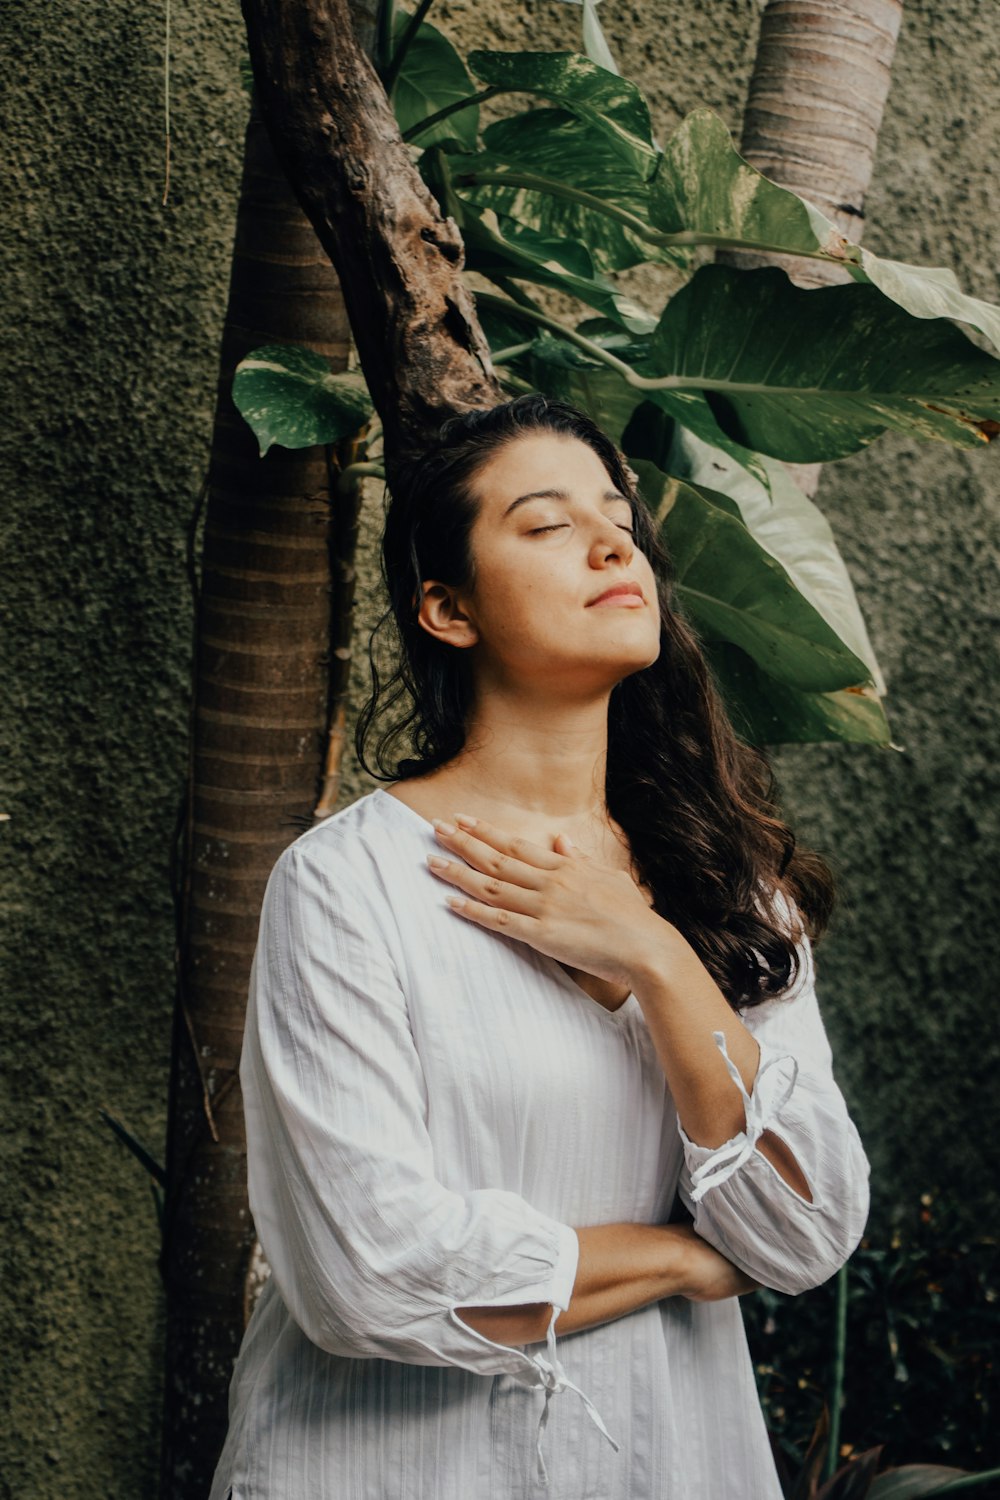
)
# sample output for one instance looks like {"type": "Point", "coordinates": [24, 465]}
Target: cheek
{"type": "Point", "coordinates": [519, 581]}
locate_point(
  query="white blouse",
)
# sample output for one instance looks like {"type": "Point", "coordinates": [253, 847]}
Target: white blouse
{"type": "Point", "coordinates": [431, 1107]}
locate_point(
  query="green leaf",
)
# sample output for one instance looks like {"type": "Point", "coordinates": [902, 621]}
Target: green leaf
{"type": "Point", "coordinates": [707, 192]}
{"type": "Point", "coordinates": [498, 246]}
{"type": "Point", "coordinates": [913, 1480]}
{"type": "Point", "coordinates": [501, 330]}
{"type": "Point", "coordinates": [789, 526]}
{"type": "Point", "coordinates": [612, 104]}
{"type": "Point", "coordinates": [560, 368]}
{"type": "Point", "coordinates": [813, 375]}
{"type": "Point", "coordinates": [571, 155]}
{"type": "Point", "coordinates": [432, 76]}
{"type": "Point", "coordinates": [767, 712]}
{"type": "Point", "coordinates": [930, 292]}
{"type": "Point", "coordinates": [289, 396]}
{"type": "Point", "coordinates": [703, 187]}
{"type": "Point", "coordinates": [733, 590]}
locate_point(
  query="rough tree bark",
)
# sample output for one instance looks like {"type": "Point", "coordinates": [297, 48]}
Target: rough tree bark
{"type": "Point", "coordinates": [414, 323]}
{"type": "Point", "coordinates": [259, 723]}
{"type": "Point", "coordinates": [814, 110]}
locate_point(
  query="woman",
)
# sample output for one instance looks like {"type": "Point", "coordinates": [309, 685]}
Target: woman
{"type": "Point", "coordinates": [493, 1060]}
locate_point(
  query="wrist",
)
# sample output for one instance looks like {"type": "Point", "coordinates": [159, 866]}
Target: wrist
{"type": "Point", "coordinates": [653, 952]}
{"type": "Point", "coordinates": [680, 1271]}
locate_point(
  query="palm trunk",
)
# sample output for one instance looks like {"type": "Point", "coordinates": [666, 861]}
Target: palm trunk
{"type": "Point", "coordinates": [813, 114]}
{"type": "Point", "coordinates": [259, 724]}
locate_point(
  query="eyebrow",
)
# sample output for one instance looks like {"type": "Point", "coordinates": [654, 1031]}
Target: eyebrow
{"type": "Point", "coordinates": [560, 495]}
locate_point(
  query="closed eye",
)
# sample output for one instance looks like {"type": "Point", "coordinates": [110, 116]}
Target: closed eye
{"type": "Point", "coordinates": [537, 531]}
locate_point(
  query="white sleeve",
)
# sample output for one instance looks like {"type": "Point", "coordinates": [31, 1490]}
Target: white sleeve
{"type": "Point", "coordinates": [370, 1252]}
{"type": "Point", "coordinates": [740, 1203]}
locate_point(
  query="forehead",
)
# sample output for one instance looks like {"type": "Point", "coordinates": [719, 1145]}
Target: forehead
{"type": "Point", "coordinates": [538, 461]}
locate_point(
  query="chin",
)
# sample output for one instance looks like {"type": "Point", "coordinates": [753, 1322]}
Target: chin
{"type": "Point", "coordinates": [627, 664]}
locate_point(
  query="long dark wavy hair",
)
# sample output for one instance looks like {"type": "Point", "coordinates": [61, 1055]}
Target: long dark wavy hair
{"type": "Point", "coordinates": [698, 805]}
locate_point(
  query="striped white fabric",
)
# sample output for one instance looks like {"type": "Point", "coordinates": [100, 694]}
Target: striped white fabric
{"type": "Point", "coordinates": [431, 1108]}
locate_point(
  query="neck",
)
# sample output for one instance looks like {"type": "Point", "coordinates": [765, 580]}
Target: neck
{"type": "Point", "coordinates": [535, 757]}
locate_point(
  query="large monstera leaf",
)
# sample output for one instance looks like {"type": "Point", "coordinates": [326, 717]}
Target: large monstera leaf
{"type": "Point", "coordinates": [808, 376]}
{"type": "Point", "coordinates": [785, 674]}
{"type": "Point", "coordinates": [765, 711]}
{"type": "Point", "coordinates": [560, 368]}
{"type": "Point", "coordinates": [558, 174]}
{"type": "Point", "coordinates": [501, 248]}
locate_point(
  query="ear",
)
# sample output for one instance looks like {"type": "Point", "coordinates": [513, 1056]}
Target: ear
{"type": "Point", "coordinates": [441, 614]}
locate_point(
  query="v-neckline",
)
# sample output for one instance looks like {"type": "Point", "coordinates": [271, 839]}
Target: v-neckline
{"type": "Point", "coordinates": [555, 966]}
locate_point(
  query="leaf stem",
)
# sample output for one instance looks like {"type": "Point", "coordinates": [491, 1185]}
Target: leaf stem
{"type": "Point", "coordinates": [412, 27]}
{"type": "Point", "coordinates": [556, 189]}
{"type": "Point", "coordinates": [515, 292]}
{"type": "Point", "coordinates": [383, 37]}
{"type": "Point", "coordinates": [511, 352]}
{"type": "Point", "coordinates": [515, 383]}
{"type": "Point", "coordinates": [350, 477]}
{"type": "Point", "coordinates": [451, 109]}
{"type": "Point", "coordinates": [682, 239]}
{"type": "Point", "coordinates": [532, 315]}
{"type": "Point", "coordinates": [658, 382]}
{"type": "Point", "coordinates": [837, 1375]}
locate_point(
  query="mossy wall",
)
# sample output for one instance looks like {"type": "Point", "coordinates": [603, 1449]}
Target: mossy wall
{"type": "Point", "coordinates": [111, 322]}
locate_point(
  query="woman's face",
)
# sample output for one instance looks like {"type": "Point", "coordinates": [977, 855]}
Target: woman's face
{"type": "Point", "coordinates": [552, 533]}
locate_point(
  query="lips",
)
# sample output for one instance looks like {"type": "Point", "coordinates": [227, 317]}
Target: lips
{"type": "Point", "coordinates": [619, 588]}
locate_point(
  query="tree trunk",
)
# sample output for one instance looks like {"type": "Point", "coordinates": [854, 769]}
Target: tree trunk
{"type": "Point", "coordinates": [259, 724]}
{"type": "Point", "coordinates": [813, 114]}
{"type": "Point", "coordinates": [263, 699]}
{"type": "Point", "coordinates": [422, 351]}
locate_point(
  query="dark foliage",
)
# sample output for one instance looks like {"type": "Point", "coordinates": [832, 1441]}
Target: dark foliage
{"type": "Point", "coordinates": [923, 1334]}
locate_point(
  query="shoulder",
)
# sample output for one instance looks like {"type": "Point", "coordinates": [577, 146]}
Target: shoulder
{"type": "Point", "coordinates": [780, 905]}
{"type": "Point", "coordinates": [792, 1016]}
{"type": "Point", "coordinates": [351, 849]}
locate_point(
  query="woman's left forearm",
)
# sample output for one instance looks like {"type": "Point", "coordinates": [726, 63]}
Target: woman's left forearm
{"type": "Point", "coordinates": [683, 1005]}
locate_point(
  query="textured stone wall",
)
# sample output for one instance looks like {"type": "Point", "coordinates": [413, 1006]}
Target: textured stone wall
{"type": "Point", "coordinates": [112, 316]}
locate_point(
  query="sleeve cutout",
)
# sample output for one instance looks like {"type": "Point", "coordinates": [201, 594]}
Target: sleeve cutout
{"type": "Point", "coordinates": [759, 1112]}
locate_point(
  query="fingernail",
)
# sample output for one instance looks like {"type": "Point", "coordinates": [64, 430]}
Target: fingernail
{"type": "Point", "coordinates": [442, 826]}
{"type": "Point", "coordinates": [436, 863]}
{"type": "Point", "coordinates": [465, 819]}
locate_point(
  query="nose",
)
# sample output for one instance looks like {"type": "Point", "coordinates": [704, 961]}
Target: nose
{"type": "Point", "coordinates": [612, 542]}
